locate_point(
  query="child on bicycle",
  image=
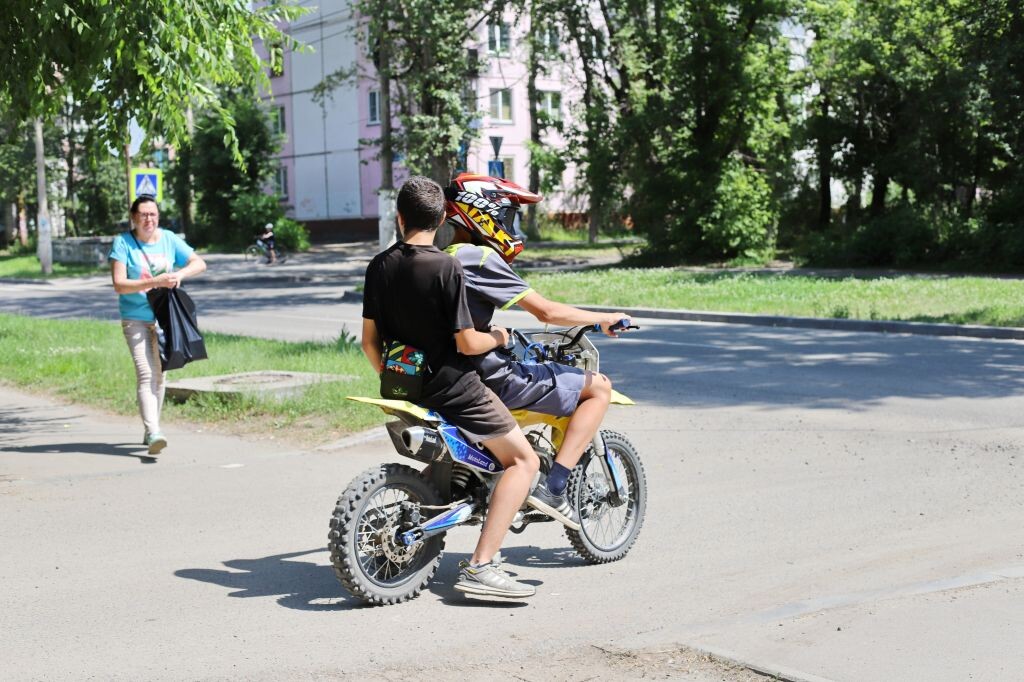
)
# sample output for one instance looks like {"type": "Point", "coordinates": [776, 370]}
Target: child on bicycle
{"type": "Point", "coordinates": [267, 240]}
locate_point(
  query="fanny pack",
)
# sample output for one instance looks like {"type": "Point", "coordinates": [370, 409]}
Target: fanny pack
{"type": "Point", "coordinates": [403, 373]}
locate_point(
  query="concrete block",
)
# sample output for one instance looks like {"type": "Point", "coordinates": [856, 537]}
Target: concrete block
{"type": "Point", "coordinates": [267, 383]}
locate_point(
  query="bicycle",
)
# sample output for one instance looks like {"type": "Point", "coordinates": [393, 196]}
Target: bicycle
{"type": "Point", "coordinates": [259, 251]}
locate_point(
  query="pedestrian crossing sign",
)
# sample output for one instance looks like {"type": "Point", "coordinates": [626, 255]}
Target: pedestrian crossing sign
{"type": "Point", "coordinates": [147, 181]}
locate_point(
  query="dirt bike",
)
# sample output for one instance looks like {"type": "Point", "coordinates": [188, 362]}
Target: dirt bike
{"type": "Point", "coordinates": [388, 528]}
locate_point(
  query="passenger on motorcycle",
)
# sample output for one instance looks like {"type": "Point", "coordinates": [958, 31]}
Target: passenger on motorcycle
{"type": "Point", "coordinates": [485, 240]}
{"type": "Point", "coordinates": [414, 294]}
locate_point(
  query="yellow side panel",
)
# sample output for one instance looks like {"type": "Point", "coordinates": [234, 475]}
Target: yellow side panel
{"type": "Point", "coordinates": [558, 424]}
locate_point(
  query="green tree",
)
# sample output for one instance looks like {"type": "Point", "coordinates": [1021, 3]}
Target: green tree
{"type": "Point", "coordinates": [18, 161]}
{"type": "Point", "coordinates": [683, 114]}
{"type": "Point", "coordinates": [17, 167]}
{"type": "Point", "coordinates": [993, 35]}
{"type": "Point", "coordinates": [224, 189]}
{"type": "Point", "coordinates": [915, 97]}
{"type": "Point", "coordinates": [150, 60]}
{"type": "Point", "coordinates": [420, 49]}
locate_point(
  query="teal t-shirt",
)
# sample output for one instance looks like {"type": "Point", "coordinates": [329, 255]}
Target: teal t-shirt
{"type": "Point", "coordinates": [167, 254]}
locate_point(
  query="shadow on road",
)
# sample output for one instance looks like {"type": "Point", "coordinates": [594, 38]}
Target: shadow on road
{"type": "Point", "coordinates": [308, 586]}
{"type": "Point", "coordinates": [301, 585]}
{"type": "Point", "coordinates": [112, 449]}
{"type": "Point", "coordinates": [734, 365]}
{"type": "Point", "coordinates": [19, 421]}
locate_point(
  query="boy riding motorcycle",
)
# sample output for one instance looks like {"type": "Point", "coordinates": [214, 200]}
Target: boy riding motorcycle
{"type": "Point", "coordinates": [486, 239]}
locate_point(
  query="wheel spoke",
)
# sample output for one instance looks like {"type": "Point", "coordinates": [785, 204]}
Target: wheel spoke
{"type": "Point", "coordinates": [604, 524]}
{"type": "Point", "coordinates": [382, 560]}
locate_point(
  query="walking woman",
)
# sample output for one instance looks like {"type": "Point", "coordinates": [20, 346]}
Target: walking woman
{"type": "Point", "coordinates": [145, 258]}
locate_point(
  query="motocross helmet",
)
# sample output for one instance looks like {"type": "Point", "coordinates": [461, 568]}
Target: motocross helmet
{"type": "Point", "coordinates": [486, 207]}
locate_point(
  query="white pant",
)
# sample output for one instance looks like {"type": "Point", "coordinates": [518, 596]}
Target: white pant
{"type": "Point", "coordinates": [142, 341]}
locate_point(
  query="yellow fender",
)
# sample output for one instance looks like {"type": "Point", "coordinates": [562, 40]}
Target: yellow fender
{"type": "Point", "coordinates": [394, 407]}
{"type": "Point", "coordinates": [619, 399]}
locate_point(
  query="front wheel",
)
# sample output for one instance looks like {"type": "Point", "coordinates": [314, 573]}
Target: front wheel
{"type": "Point", "coordinates": [253, 254]}
{"type": "Point", "coordinates": [608, 531]}
{"type": "Point", "coordinates": [281, 254]}
{"type": "Point", "coordinates": [366, 554]}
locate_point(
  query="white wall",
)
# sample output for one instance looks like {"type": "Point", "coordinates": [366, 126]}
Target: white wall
{"type": "Point", "coordinates": [325, 138]}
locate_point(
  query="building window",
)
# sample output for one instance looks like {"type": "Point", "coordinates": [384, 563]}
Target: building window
{"type": "Point", "coordinates": [275, 51]}
{"type": "Point", "coordinates": [550, 105]}
{"type": "Point", "coordinates": [277, 120]}
{"type": "Point", "coordinates": [373, 116]}
{"type": "Point", "coordinates": [549, 40]}
{"type": "Point", "coordinates": [498, 41]}
{"type": "Point", "coordinates": [501, 105]}
{"type": "Point", "coordinates": [281, 182]}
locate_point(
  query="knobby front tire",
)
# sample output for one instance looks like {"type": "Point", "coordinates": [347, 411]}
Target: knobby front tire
{"type": "Point", "coordinates": [607, 532]}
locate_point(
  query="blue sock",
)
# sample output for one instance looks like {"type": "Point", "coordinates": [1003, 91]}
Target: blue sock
{"type": "Point", "coordinates": [558, 477]}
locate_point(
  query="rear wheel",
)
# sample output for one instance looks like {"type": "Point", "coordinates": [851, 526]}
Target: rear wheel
{"type": "Point", "coordinates": [253, 254]}
{"type": "Point", "coordinates": [366, 554]}
{"type": "Point", "coordinates": [608, 531]}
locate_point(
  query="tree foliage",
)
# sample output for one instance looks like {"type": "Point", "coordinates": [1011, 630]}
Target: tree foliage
{"type": "Point", "coordinates": [230, 197]}
{"type": "Point", "coordinates": [145, 59]}
{"type": "Point", "coordinates": [421, 47]}
{"type": "Point", "coordinates": [919, 103]}
{"type": "Point", "coordinates": [681, 107]}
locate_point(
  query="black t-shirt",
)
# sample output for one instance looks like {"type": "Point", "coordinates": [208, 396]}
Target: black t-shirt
{"type": "Point", "coordinates": [416, 295]}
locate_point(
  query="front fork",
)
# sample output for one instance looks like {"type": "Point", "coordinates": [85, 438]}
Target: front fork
{"type": "Point", "coordinates": [613, 471]}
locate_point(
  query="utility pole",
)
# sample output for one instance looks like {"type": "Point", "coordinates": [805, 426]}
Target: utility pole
{"type": "Point", "coordinates": [44, 249]}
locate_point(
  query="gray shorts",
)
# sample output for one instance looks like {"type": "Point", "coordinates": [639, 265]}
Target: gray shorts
{"type": "Point", "coordinates": [549, 388]}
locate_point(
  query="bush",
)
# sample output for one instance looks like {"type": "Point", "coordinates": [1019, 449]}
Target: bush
{"type": "Point", "coordinates": [291, 234]}
{"type": "Point", "coordinates": [250, 211]}
{"type": "Point", "coordinates": [908, 235]}
{"type": "Point", "coordinates": [744, 221]}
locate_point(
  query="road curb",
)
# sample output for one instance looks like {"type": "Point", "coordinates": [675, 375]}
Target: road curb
{"type": "Point", "coordinates": [772, 670]}
{"type": "Point", "coordinates": [871, 326]}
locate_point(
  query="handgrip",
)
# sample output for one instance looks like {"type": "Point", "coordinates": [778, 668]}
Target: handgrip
{"type": "Point", "coordinates": [624, 323]}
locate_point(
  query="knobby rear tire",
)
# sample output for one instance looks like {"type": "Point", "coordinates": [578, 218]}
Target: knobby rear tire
{"type": "Point", "coordinates": [359, 516]}
{"type": "Point", "coordinates": [608, 532]}
{"type": "Point", "coordinates": [253, 254]}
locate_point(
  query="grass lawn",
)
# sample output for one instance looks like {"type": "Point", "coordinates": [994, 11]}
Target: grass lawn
{"type": "Point", "coordinates": [916, 298]}
{"type": "Point", "coordinates": [87, 362]}
{"type": "Point", "coordinates": [26, 266]}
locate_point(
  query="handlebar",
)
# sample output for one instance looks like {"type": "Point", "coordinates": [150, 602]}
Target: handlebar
{"type": "Point", "coordinates": [538, 349]}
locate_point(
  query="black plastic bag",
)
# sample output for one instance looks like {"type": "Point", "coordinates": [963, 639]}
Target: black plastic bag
{"type": "Point", "coordinates": [180, 340]}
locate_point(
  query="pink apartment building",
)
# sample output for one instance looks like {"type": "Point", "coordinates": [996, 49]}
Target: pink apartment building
{"type": "Point", "coordinates": [329, 180]}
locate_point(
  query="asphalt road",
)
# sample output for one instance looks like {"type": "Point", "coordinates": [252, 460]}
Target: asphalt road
{"type": "Point", "coordinates": [823, 505]}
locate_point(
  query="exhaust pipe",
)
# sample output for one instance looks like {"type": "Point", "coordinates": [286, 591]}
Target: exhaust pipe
{"type": "Point", "coordinates": [417, 442]}
{"type": "Point", "coordinates": [422, 444]}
